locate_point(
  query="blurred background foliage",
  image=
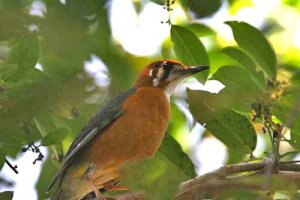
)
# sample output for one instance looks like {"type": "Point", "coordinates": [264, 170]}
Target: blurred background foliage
{"type": "Point", "coordinates": [48, 92]}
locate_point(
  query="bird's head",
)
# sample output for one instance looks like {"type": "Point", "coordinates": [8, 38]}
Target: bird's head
{"type": "Point", "coordinates": [165, 74]}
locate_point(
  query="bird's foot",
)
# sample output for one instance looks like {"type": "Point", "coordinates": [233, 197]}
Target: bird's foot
{"type": "Point", "coordinates": [98, 194]}
{"type": "Point", "coordinates": [111, 186]}
{"type": "Point", "coordinates": [88, 175]}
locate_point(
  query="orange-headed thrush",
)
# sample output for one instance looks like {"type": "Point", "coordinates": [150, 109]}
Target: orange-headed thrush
{"type": "Point", "coordinates": [129, 127]}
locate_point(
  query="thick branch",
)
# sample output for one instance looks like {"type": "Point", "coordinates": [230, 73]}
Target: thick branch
{"type": "Point", "coordinates": [256, 176]}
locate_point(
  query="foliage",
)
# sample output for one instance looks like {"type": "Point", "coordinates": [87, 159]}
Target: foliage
{"type": "Point", "coordinates": [48, 105]}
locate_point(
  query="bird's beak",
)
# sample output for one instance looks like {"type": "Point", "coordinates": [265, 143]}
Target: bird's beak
{"type": "Point", "coordinates": [193, 70]}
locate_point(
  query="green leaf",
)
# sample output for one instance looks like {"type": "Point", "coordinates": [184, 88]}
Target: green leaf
{"type": "Point", "coordinates": [295, 140]}
{"type": "Point", "coordinates": [156, 176]}
{"type": "Point", "coordinates": [248, 63]}
{"type": "Point", "coordinates": [26, 53]}
{"type": "Point", "coordinates": [2, 158]}
{"type": "Point", "coordinates": [234, 157]}
{"type": "Point", "coordinates": [6, 195]}
{"type": "Point", "coordinates": [189, 49]}
{"type": "Point", "coordinates": [256, 45]}
{"type": "Point", "coordinates": [203, 8]}
{"type": "Point", "coordinates": [159, 2]}
{"type": "Point", "coordinates": [286, 109]}
{"type": "Point", "coordinates": [173, 152]}
{"type": "Point", "coordinates": [232, 128]}
{"type": "Point", "coordinates": [49, 169]}
{"type": "Point", "coordinates": [200, 30]}
{"type": "Point", "coordinates": [240, 86]}
{"type": "Point", "coordinates": [56, 136]}
{"type": "Point", "coordinates": [237, 79]}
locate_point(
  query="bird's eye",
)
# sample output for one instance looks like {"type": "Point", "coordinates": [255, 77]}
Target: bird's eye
{"type": "Point", "coordinates": [167, 66]}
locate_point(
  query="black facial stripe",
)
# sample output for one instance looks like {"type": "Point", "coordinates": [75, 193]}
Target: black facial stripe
{"type": "Point", "coordinates": [154, 72]}
{"type": "Point", "coordinates": [166, 74]}
{"type": "Point", "coordinates": [166, 68]}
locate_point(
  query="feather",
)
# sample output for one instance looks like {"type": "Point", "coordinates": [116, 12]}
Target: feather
{"type": "Point", "coordinates": [108, 114]}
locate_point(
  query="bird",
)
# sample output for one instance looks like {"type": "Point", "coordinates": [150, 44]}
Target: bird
{"type": "Point", "coordinates": [130, 127]}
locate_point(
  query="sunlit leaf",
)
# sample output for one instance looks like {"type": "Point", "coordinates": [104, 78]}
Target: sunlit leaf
{"type": "Point", "coordinates": [232, 128]}
{"type": "Point", "coordinates": [256, 45]}
{"type": "Point", "coordinates": [56, 136]}
{"type": "Point", "coordinates": [26, 53]}
{"type": "Point", "coordinates": [248, 63]}
{"type": "Point", "coordinates": [236, 6]}
{"type": "Point", "coordinates": [189, 49]}
{"type": "Point", "coordinates": [159, 2]}
{"type": "Point", "coordinates": [242, 87]}
{"type": "Point", "coordinates": [200, 30]}
{"type": "Point", "coordinates": [239, 80]}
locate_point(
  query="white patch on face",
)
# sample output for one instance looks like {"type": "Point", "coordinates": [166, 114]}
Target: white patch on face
{"type": "Point", "coordinates": [171, 86]}
{"type": "Point", "coordinates": [155, 82]}
{"type": "Point", "coordinates": [151, 72]}
{"type": "Point", "coordinates": [160, 73]}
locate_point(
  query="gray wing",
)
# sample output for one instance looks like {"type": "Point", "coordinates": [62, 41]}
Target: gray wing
{"type": "Point", "coordinates": [109, 113]}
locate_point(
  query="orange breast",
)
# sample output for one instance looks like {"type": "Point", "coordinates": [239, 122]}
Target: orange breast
{"type": "Point", "coordinates": [137, 133]}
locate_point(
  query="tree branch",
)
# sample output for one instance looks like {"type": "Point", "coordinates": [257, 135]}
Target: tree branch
{"type": "Point", "coordinates": [241, 177]}
{"type": "Point", "coordinates": [14, 168]}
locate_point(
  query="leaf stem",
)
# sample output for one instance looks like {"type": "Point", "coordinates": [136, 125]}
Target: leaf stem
{"type": "Point", "coordinates": [43, 132]}
{"type": "Point", "coordinates": [274, 147]}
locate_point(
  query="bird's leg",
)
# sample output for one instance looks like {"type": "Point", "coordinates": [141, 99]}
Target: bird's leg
{"type": "Point", "coordinates": [89, 179]}
{"type": "Point", "coordinates": [112, 185]}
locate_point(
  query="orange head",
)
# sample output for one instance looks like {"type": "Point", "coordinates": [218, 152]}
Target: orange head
{"type": "Point", "coordinates": [165, 74]}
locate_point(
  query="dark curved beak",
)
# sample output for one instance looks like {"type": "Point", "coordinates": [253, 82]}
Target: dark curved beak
{"type": "Point", "coordinates": [196, 69]}
{"type": "Point", "coordinates": [193, 70]}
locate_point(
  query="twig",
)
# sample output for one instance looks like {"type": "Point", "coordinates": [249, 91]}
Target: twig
{"type": "Point", "coordinates": [43, 133]}
{"type": "Point", "coordinates": [14, 168]}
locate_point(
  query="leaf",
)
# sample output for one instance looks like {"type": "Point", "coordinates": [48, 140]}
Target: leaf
{"type": "Point", "coordinates": [159, 2]}
{"type": "Point", "coordinates": [26, 53]}
{"type": "Point", "coordinates": [156, 176]}
{"type": "Point", "coordinates": [200, 30]}
{"type": "Point", "coordinates": [6, 195]}
{"type": "Point", "coordinates": [173, 152]}
{"type": "Point", "coordinates": [240, 86]}
{"type": "Point", "coordinates": [56, 136]}
{"type": "Point", "coordinates": [287, 110]}
{"type": "Point", "coordinates": [238, 79]}
{"type": "Point", "coordinates": [256, 45]}
{"type": "Point", "coordinates": [234, 157]}
{"type": "Point", "coordinates": [2, 158]}
{"type": "Point", "coordinates": [248, 63]}
{"type": "Point", "coordinates": [189, 49]}
{"type": "Point", "coordinates": [203, 8]}
{"type": "Point", "coordinates": [232, 128]}
{"type": "Point", "coordinates": [49, 169]}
